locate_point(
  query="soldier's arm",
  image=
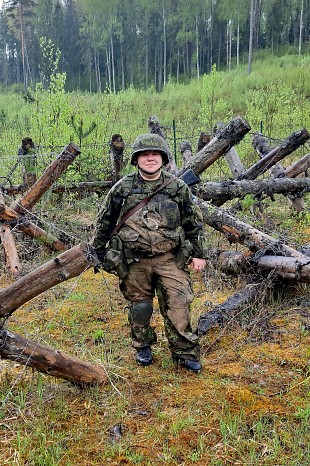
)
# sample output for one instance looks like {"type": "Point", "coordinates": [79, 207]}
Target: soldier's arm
{"type": "Point", "coordinates": [106, 221]}
{"type": "Point", "coordinates": [192, 222]}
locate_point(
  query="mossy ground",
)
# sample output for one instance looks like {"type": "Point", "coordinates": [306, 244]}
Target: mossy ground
{"type": "Point", "coordinates": [249, 405]}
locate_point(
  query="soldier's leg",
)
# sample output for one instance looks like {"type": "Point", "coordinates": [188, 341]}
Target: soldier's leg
{"type": "Point", "coordinates": [175, 294]}
{"type": "Point", "coordinates": [137, 288]}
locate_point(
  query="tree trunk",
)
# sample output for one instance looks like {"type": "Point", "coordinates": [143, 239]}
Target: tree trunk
{"type": "Point", "coordinates": [186, 151]}
{"type": "Point", "coordinates": [9, 246]}
{"type": "Point", "coordinates": [294, 141]}
{"type": "Point", "coordinates": [49, 361]}
{"type": "Point", "coordinates": [10, 251]}
{"type": "Point", "coordinates": [116, 156]}
{"type": "Point", "coordinates": [240, 232]}
{"type": "Point", "coordinates": [297, 168]}
{"type": "Point", "coordinates": [234, 162]}
{"type": "Point", "coordinates": [51, 174]}
{"type": "Point", "coordinates": [9, 215]}
{"type": "Point", "coordinates": [226, 190]}
{"type": "Point", "coordinates": [290, 268]}
{"type": "Point", "coordinates": [222, 312]}
{"type": "Point", "coordinates": [227, 137]}
{"type": "Point", "coordinates": [68, 265]}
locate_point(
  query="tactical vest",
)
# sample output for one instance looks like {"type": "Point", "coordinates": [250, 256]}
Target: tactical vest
{"type": "Point", "coordinates": [156, 227]}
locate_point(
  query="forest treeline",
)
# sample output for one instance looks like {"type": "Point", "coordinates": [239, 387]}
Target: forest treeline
{"type": "Point", "coordinates": [115, 44]}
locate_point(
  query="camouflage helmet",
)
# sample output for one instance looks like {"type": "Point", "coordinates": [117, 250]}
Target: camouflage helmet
{"type": "Point", "coordinates": [150, 141]}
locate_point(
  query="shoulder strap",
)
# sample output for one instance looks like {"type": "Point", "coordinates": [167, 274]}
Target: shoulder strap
{"type": "Point", "coordinates": [138, 206]}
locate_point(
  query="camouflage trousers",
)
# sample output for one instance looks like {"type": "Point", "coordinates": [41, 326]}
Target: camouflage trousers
{"type": "Point", "coordinates": [173, 288]}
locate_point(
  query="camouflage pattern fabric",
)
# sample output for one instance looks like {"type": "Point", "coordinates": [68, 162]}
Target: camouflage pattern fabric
{"type": "Point", "coordinates": [154, 243]}
{"type": "Point", "coordinates": [173, 288]}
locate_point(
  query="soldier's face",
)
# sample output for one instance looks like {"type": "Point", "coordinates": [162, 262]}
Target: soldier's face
{"type": "Point", "coordinates": [150, 161]}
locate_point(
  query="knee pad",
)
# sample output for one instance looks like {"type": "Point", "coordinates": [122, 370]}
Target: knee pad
{"type": "Point", "coordinates": [141, 313]}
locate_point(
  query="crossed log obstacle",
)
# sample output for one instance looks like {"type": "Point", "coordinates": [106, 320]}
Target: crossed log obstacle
{"type": "Point", "coordinates": [72, 262]}
{"type": "Point", "coordinates": [17, 214]}
{"type": "Point", "coordinates": [14, 347]}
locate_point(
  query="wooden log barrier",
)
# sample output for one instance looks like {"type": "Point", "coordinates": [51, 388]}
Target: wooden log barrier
{"type": "Point", "coordinates": [29, 228]}
{"type": "Point", "coordinates": [243, 233]}
{"type": "Point", "coordinates": [227, 190]}
{"type": "Point", "coordinates": [49, 361]}
{"type": "Point", "coordinates": [227, 137]}
{"type": "Point", "coordinates": [218, 314]}
{"type": "Point", "coordinates": [51, 174]}
{"type": "Point", "coordinates": [67, 265]}
{"type": "Point", "coordinates": [295, 140]}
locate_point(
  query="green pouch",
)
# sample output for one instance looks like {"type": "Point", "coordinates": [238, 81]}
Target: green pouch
{"type": "Point", "coordinates": [115, 262]}
{"type": "Point", "coordinates": [184, 253]}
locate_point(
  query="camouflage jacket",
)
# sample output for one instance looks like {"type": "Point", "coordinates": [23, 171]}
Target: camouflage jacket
{"type": "Point", "coordinates": [170, 219]}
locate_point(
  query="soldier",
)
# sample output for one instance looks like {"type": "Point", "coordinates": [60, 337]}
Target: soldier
{"type": "Point", "coordinates": [150, 233]}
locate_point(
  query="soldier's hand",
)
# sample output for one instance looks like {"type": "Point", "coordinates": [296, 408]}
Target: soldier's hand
{"type": "Point", "coordinates": [197, 265]}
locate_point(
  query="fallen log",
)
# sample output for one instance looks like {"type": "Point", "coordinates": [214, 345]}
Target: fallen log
{"type": "Point", "coordinates": [51, 174]}
{"type": "Point", "coordinates": [29, 228]}
{"type": "Point", "coordinates": [262, 147]}
{"type": "Point", "coordinates": [49, 361]}
{"type": "Point", "coordinates": [294, 141]}
{"type": "Point", "coordinates": [243, 233]}
{"type": "Point", "coordinates": [85, 186]}
{"type": "Point", "coordinates": [227, 190]}
{"type": "Point", "coordinates": [67, 265]}
{"type": "Point", "coordinates": [10, 250]}
{"type": "Point", "coordinates": [9, 246]}
{"type": "Point", "coordinates": [297, 168]}
{"type": "Point", "coordinates": [222, 312]}
{"type": "Point", "coordinates": [290, 268]}
{"type": "Point", "coordinates": [227, 137]}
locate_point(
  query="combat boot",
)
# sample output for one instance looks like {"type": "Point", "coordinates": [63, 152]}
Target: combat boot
{"type": "Point", "coordinates": [144, 356]}
{"type": "Point", "coordinates": [190, 364]}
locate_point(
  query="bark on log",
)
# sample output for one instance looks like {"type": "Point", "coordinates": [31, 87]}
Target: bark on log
{"type": "Point", "coordinates": [294, 141]}
{"type": "Point", "coordinates": [262, 148]}
{"type": "Point", "coordinates": [186, 152]}
{"type": "Point", "coordinates": [227, 137]}
{"type": "Point", "coordinates": [51, 174]}
{"type": "Point", "coordinates": [116, 153]}
{"type": "Point", "coordinates": [49, 361]}
{"type": "Point", "coordinates": [222, 312]}
{"type": "Point", "coordinates": [240, 232]}
{"type": "Point", "coordinates": [68, 265]}
{"type": "Point", "coordinates": [290, 268]}
{"type": "Point", "coordinates": [234, 162]}
{"type": "Point", "coordinates": [9, 215]}
{"type": "Point", "coordinates": [10, 250]}
{"type": "Point", "coordinates": [86, 186]}
{"type": "Point", "coordinates": [9, 246]}
{"type": "Point", "coordinates": [226, 190]}
{"type": "Point", "coordinates": [297, 168]}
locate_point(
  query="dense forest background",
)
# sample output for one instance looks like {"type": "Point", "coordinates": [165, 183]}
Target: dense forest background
{"type": "Point", "coordinates": [113, 45]}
